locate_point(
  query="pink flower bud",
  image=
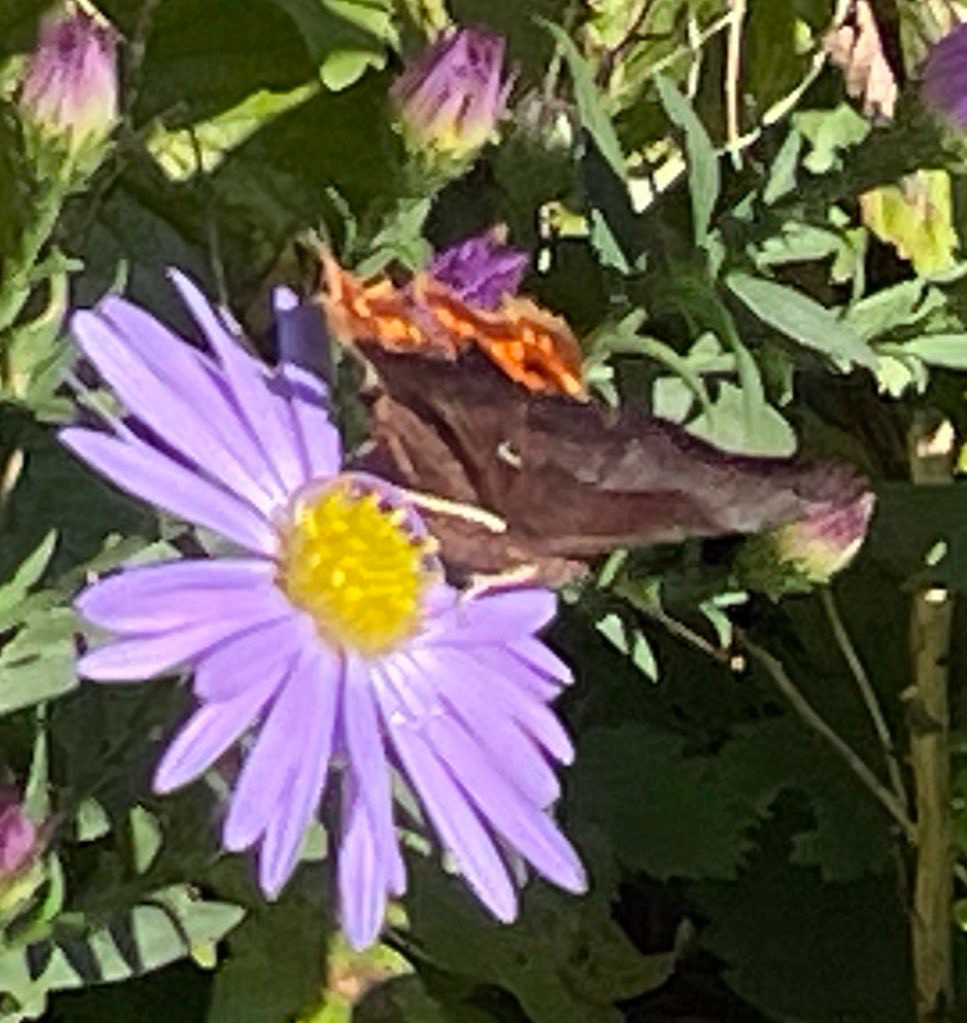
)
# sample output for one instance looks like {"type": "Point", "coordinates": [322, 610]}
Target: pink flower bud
{"type": "Point", "coordinates": [451, 98]}
{"type": "Point", "coordinates": [18, 836]}
{"type": "Point", "coordinates": [70, 87]}
{"type": "Point", "coordinates": [821, 546]}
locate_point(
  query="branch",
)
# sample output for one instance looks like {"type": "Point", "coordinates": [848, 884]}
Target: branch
{"type": "Point", "coordinates": [867, 692]}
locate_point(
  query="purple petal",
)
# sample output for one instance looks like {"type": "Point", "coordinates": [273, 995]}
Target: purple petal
{"type": "Point", "coordinates": [362, 876]}
{"type": "Point", "coordinates": [511, 688]}
{"type": "Point", "coordinates": [492, 618]}
{"type": "Point", "coordinates": [158, 598]}
{"type": "Point", "coordinates": [528, 829]}
{"type": "Point", "coordinates": [275, 758]}
{"type": "Point", "coordinates": [246, 657]}
{"type": "Point", "coordinates": [320, 445]}
{"type": "Point", "coordinates": [542, 659]}
{"type": "Point", "coordinates": [264, 413]}
{"type": "Point", "coordinates": [300, 797]}
{"type": "Point", "coordinates": [512, 750]}
{"type": "Point", "coordinates": [456, 823]}
{"type": "Point", "coordinates": [202, 382]}
{"type": "Point", "coordinates": [145, 656]}
{"type": "Point", "coordinates": [364, 746]}
{"type": "Point", "coordinates": [209, 732]}
{"type": "Point", "coordinates": [169, 405]}
{"type": "Point", "coordinates": [145, 472]}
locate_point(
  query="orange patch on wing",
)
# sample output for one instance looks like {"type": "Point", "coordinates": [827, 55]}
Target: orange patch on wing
{"type": "Point", "coordinates": [532, 346]}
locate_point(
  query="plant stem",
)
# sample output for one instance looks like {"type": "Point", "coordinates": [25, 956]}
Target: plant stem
{"type": "Point", "coordinates": [777, 672]}
{"type": "Point", "coordinates": [931, 452]}
{"type": "Point", "coordinates": [867, 692]}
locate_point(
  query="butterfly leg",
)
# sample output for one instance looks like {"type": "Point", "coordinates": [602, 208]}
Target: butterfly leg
{"type": "Point", "coordinates": [485, 582]}
{"type": "Point", "coordinates": [468, 512]}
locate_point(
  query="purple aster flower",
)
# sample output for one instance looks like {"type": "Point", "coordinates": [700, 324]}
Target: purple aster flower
{"type": "Point", "coordinates": [945, 76]}
{"type": "Point", "coordinates": [481, 270]}
{"type": "Point", "coordinates": [330, 638]}
{"type": "Point", "coordinates": [451, 98]}
{"type": "Point", "coordinates": [70, 86]}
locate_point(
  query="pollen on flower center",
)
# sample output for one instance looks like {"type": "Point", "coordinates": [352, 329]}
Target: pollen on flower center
{"type": "Point", "coordinates": [356, 564]}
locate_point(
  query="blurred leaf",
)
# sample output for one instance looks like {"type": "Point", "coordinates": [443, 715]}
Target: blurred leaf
{"type": "Point", "coordinates": [158, 932]}
{"type": "Point", "coordinates": [916, 218]}
{"type": "Point", "coordinates": [564, 959]}
{"type": "Point", "coordinates": [794, 943]}
{"type": "Point", "coordinates": [594, 117]}
{"type": "Point", "coordinates": [25, 576]}
{"type": "Point", "coordinates": [703, 166]}
{"type": "Point", "coordinates": [828, 132]}
{"type": "Point", "coordinates": [38, 663]}
{"type": "Point", "coordinates": [946, 350]}
{"type": "Point", "coordinates": [801, 318]}
{"type": "Point", "coordinates": [257, 984]}
{"type": "Point", "coordinates": [344, 37]}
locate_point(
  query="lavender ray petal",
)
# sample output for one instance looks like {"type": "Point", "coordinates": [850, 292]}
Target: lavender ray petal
{"type": "Point", "coordinates": [362, 876]}
{"type": "Point", "coordinates": [529, 829]}
{"type": "Point", "coordinates": [320, 445]}
{"type": "Point", "coordinates": [263, 412]}
{"type": "Point", "coordinates": [494, 618]}
{"type": "Point", "coordinates": [274, 758]}
{"type": "Point", "coordinates": [201, 380]}
{"type": "Point", "coordinates": [542, 659]}
{"type": "Point", "coordinates": [209, 732]}
{"type": "Point", "coordinates": [287, 827]}
{"type": "Point", "coordinates": [244, 658]}
{"type": "Point", "coordinates": [455, 821]}
{"type": "Point", "coordinates": [170, 407]}
{"type": "Point", "coordinates": [364, 746]}
{"type": "Point", "coordinates": [158, 598]}
{"type": "Point", "coordinates": [146, 656]}
{"type": "Point", "coordinates": [514, 752]}
{"type": "Point", "coordinates": [503, 661]}
{"type": "Point", "coordinates": [145, 472]}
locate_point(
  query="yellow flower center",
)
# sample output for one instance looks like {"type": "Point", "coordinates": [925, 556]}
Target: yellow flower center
{"type": "Point", "coordinates": [357, 565]}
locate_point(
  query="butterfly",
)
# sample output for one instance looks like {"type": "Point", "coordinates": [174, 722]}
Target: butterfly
{"type": "Point", "coordinates": [485, 418]}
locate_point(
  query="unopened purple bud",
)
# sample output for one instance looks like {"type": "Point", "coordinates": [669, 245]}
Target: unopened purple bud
{"type": "Point", "coordinates": [18, 836]}
{"type": "Point", "coordinates": [70, 86]}
{"type": "Point", "coordinates": [945, 76]}
{"type": "Point", "coordinates": [481, 270]}
{"type": "Point", "coordinates": [450, 99]}
{"type": "Point", "coordinates": [824, 544]}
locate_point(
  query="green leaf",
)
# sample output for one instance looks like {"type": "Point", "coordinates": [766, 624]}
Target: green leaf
{"type": "Point", "coordinates": [38, 663]}
{"type": "Point", "coordinates": [143, 939]}
{"type": "Point", "coordinates": [594, 117]}
{"type": "Point", "coordinates": [258, 984]}
{"type": "Point", "coordinates": [28, 573]}
{"type": "Point", "coordinates": [830, 131]}
{"type": "Point", "coordinates": [703, 165]}
{"type": "Point", "coordinates": [664, 812]}
{"type": "Point", "coordinates": [345, 37]}
{"type": "Point", "coordinates": [564, 959]}
{"type": "Point", "coordinates": [946, 350]}
{"type": "Point", "coordinates": [801, 318]}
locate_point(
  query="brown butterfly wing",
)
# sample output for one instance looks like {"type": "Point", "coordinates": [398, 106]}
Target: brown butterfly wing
{"type": "Point", "coordinates": [570, 479]}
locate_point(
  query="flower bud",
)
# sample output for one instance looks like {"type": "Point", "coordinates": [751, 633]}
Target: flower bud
{"type": "Point", "coordinates": [450, 99]}
{"type": "Point", "coordinates": [481, 269]}
{"type": "Point", "coordinates": [803, 554]}
{"type": "Point", "coordinates": [70, 90]}
{"type": "Point", "coordinates": [21, 866]}
{"type": "Point", "coordinates": [945, 76]}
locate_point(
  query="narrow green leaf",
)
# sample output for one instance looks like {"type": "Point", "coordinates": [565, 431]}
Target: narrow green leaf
{"type": "Point", "coordinates": [703, 164]}
{"type": "Point", "coordinates": [801, 318]}
{"type": "Point", "coordinates": [29, 571]}
{"type": "Point", "coordinates": [946, 350]}
{"type": "Point", "coordinates": [593, 115]}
